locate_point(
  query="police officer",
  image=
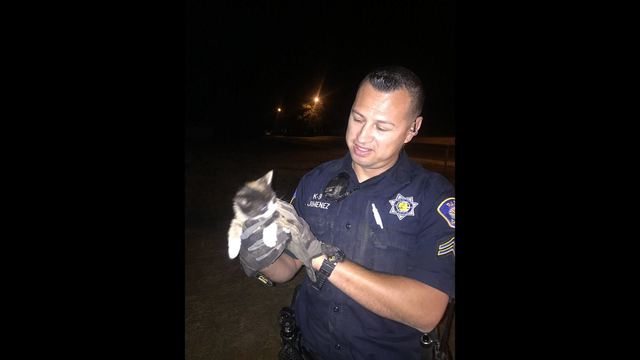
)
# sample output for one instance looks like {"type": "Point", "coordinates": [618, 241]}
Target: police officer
{"type": "Point", "coordinates": [386, 227]}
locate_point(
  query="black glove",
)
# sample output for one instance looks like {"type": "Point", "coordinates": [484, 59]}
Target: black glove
{"type": "Point", "coordinates": [303, 245]}
{"type": "Point", "coordinates": [254, 254]}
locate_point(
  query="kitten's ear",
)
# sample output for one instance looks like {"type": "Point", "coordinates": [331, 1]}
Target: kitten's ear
{"type": "Point", "coordinates": [267, 177]}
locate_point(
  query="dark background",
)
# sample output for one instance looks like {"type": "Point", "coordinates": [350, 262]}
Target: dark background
{"type": "Point", "coordinates": [245, 59]}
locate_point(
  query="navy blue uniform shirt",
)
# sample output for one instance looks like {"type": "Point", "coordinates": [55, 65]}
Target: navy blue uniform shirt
{"type": "Point", "coordinates": [401, 222]}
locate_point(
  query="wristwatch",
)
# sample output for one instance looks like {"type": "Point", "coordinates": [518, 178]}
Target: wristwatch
{"type": "Point", "coordinates": [334, 256]}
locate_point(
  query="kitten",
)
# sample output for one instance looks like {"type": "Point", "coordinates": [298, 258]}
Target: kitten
{"type": "Point", "coordinates": [257, 206]}
{"type": "Point", "coordinates": [254, 201]}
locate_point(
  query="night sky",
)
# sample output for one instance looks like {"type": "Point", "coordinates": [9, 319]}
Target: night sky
{"type": "Point", "coordinates": [245, 59]}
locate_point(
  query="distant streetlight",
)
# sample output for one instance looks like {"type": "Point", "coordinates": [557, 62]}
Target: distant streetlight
{"type": "Point", "coordinates": [279, 110]}
{"type": "Point", "coordinates": [316, 99]}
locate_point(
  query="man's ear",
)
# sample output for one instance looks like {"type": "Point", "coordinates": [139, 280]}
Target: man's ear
{"type": "Point", "coordinates": [413, 130]}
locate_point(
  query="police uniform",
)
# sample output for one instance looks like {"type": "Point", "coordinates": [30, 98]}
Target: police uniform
{"type": "Point", "coordinates": [400, 222]}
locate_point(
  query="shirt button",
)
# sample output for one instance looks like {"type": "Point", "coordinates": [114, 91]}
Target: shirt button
{"type": "Point", "coordinates": [338, 347]}
{"type": "Point", "coordinates": [336, 308]}
{"type": "Point", "coordinates": [348, 226]}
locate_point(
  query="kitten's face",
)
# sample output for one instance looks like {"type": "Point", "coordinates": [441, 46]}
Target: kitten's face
{"type": "Point", "coordinates": [255, 198]}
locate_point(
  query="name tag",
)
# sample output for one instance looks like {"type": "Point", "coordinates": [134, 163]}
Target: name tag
{"type": "Point", "coordinates": [318, 204]}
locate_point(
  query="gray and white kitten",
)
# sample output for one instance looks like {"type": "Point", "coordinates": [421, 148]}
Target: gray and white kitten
{"type": "Point", "coordinates": [255, 200]}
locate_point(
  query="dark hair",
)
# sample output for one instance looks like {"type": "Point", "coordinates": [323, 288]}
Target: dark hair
{"type": "Point", "coordinates": [391, 78]}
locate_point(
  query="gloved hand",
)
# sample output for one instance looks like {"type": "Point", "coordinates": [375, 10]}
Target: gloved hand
{"type": "Point", "coordinates": [263, 241]}
{"type": "Point", "coordinates": [303, 244]}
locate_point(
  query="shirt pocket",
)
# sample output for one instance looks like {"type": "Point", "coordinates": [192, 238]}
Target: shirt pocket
{"type": "Point", "coordinates": [388, 238]}
{"type": "Point", "coordinates": [391, 248]}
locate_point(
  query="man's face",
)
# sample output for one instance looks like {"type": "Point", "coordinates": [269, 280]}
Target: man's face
{"type": "Point", "coordinates": [379, 124]}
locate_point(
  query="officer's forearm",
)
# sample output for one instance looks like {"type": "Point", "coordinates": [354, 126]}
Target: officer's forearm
{"type": "Point", "coordinates": [283, 269]}
{"type": "Point", "coordinates": [398, 298]}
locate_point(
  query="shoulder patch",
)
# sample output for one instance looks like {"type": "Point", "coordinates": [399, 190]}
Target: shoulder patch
{"type": "Point", "coordinates": [447, 209]}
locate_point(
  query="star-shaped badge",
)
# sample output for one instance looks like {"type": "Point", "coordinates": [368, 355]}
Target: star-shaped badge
{"type": "Point", "coordinates": [402, 206]}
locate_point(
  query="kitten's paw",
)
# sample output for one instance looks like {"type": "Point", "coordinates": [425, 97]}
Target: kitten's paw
{"type": "Point", "coordinates": [234, 247]}
{"type": "Point", "coordinates": [270, 235]}
{"type": "Point", "coordinates": [234, 241]}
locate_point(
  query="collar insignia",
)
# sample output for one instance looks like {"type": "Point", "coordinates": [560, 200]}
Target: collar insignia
{"type": "Point", "coordinates": [402, 206]}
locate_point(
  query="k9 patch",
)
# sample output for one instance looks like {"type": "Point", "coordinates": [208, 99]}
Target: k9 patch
{"type": "Point", "coordinates": [447, 209]}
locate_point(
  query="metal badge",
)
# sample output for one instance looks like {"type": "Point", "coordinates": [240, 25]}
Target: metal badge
{"type": "Point", "coordinates": [403, 206]}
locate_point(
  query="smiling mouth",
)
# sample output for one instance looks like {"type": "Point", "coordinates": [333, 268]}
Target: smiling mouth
{"type": "Point", "coordinates": [361, 151]}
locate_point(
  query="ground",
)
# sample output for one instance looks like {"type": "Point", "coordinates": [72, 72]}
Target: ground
{"type": "Point", "coordinates": [230, 316]}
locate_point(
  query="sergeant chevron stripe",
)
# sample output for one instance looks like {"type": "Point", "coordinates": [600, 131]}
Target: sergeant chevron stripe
{"type": "Point", "coordinates": [447, 247]}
